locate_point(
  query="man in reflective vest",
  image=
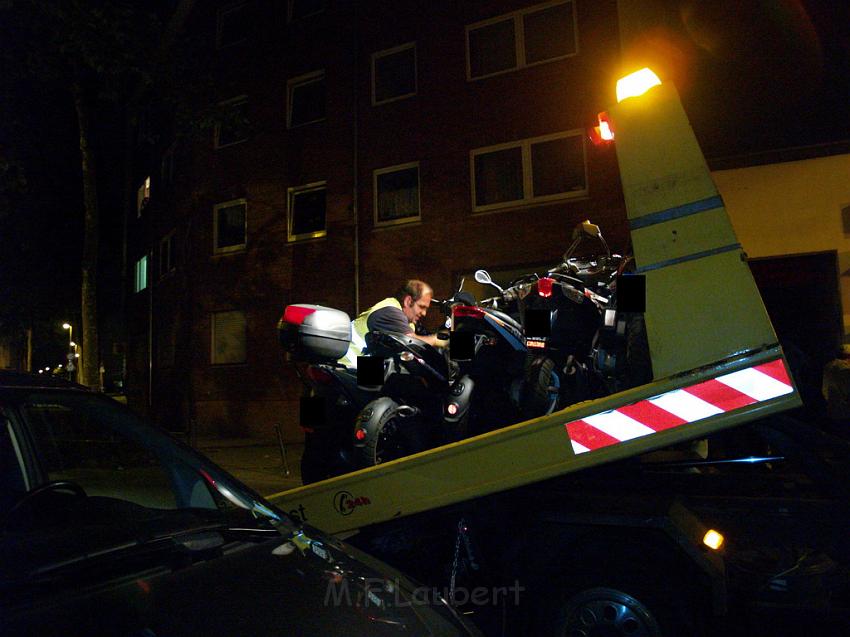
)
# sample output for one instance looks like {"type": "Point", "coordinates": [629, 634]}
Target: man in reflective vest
{"type": "Point", "coordinates": [398, 313]}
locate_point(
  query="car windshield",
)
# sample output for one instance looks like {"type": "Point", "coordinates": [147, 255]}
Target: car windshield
{"type": "Point", "coordinates": [83, 476]}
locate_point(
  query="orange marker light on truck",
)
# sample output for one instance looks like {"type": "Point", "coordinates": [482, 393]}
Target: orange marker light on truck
{"type": "Point", "coordinates": [713, 539]}
{"type": "Point", "coordinates": [636, 84]}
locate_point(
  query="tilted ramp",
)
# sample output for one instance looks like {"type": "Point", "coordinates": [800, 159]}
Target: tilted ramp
{"type": "Point", "coordinates": [715, 357]}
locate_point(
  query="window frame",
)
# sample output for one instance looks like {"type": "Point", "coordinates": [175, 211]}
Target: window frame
{"type": "Point", "coordinates": [233, 102]}
{"type": "Point", "coordinates": [236, 247]}
{"type": "Point", "coordinates": [291, 192]}
{"type": "Point", "coordinates": [519, 38]}
{"type": "Point", "coordinates": [391, 169]}
{"type": "Point", "coordinates": [168, 242]}
{"type": "Point", "coordinates": [303, 80]}
{"type": "Point", "coordinates": [527, 171]}
{"type": "Point", "coordinates": [220, 15]}
{"type": "Point", "coordinates": [166, 165]}
{"type": "Point", "coordinates": [140, 279]}
{"type": "Point", "coordinates": [213, 314]}
{"type": "Point", "coordinates": [290, 19]}
{"type": "Point", "coordinates": [143, 196]}
{"type": "Point", "coordinates": [377, 55]}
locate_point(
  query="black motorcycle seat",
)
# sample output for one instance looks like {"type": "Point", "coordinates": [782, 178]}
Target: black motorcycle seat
{"type": "Point", "coordinates": [507, 318]}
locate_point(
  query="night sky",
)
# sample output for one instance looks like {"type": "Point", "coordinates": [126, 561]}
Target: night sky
{"type": "Point", "coordinates": [755, 75]}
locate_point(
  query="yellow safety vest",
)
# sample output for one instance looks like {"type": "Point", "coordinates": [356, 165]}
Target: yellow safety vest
{"type": "Point", "coordinates": [359, 329]}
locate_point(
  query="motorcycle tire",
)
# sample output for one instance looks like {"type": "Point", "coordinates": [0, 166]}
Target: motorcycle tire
{"type": "Point", "coordinates": [389, 441]}
{"type": "Point", "coordinates": [312, 470]}
{"type": "Point", "coordinates": [638, 362]}
{"type": "Point", "coordinates": [536, 396]}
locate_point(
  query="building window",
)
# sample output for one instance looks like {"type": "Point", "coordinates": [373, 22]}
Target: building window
{"type": "Point", "coordinates": [232, 125]}
{"type": "Point", "coordinates": [229, 338]}
{"type": "Point", "coordinates": [167, 165]}
{"type": "Point", "coordinates": [299, 9]}
{"type": "Point", "coordinates": [538, 34]}
{"type": "Point", "coordinates": [167, 254]}
{"type": "Point", "coordinates": [141, 274]}
{"type": "Point", "coordinates": [143, 195]}
{"type": "Point", "coordinates": [234, 24]}
{"type": "Point", "coordinates": [230, 226]}
{"type": "Point", "coordinates": [307, 211]}
{"type": "Point", "coordinates": [541, 169]}
{"type": "Point", "coordinates": [396, 194]}
{"type": "Point", "coordinates": [166, 343]}
{"type": "Point", "coordinates": [394, 73]}
{"type": "Point", "coordinates": [306, 99]}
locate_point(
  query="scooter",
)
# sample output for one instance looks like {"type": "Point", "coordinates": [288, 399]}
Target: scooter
{"type": "Point", "coordinates": [315, 337]}
{"type": "Point", "coordinates": [429, 398]}
{"type": "Point", "coordinates": [425, 397]}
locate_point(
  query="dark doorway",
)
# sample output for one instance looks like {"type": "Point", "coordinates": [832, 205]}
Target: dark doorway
{"type": "Point", "coordinates": [802, 296]}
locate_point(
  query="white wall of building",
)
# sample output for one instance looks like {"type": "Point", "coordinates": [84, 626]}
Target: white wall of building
{"type": "Point", "coordinates": [792, 208]}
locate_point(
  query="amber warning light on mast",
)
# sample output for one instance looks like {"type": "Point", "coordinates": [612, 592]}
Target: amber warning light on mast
{"type": "Point", "coordinates": [636, 84]}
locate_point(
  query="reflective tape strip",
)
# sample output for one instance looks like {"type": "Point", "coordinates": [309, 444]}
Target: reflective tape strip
{"type": "Point", "coordinates": [617, 425]}
{"type": "Point", "coordinates": [358, 341]}
{"type": "Point", "coordinates": [753, 383]}
{"type": "Point", "coordinates": [680, 407]}
{"type": "Point", "coordinates": [686, 210]}
{"type": "Point", "coordinates": [689, 257]}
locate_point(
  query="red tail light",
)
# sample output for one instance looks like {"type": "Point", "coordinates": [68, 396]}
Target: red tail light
{"type": "Point", "coordinates": [319, 375]}
{"type": "Point", "coordinates": [295, 314]}
{"type": "Point", "coordinates": [468, 310]}
{"type": "Point", "coordinates": [544, 287]}
{"type": "Point", "coordinates": [605, 130]}
{"type": "Point", "coordinates": [360, 434]}
{"type": "Point", "coordinates": [603, 133]}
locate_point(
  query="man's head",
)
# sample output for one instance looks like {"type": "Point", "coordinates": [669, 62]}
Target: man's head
{"type": "Point", "coordinates": [415, 297]}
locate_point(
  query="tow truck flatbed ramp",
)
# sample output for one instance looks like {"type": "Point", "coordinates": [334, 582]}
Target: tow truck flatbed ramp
{"type": "Point", "coordinates": [715, 357]}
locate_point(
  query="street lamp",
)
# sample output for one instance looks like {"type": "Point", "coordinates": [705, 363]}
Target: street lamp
{"type": "Point", "coordinates": [71, 348]}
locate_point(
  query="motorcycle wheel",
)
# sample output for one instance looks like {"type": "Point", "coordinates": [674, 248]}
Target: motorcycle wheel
{"type": "Point", "coordinates": [638, 362]}
{"type": "Point", "coordinates": [312, 470]}
{"type": "Point", "coordinates": [536, 396]}
{"type": "Point", "coordinates": [390, 441]}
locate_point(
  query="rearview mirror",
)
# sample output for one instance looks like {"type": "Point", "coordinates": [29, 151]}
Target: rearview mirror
{"type": "Point", "coordinates": [483, 277]}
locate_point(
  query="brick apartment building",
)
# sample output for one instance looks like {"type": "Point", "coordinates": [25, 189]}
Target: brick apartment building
{"type": "Point", "coordinates": [371, 142]}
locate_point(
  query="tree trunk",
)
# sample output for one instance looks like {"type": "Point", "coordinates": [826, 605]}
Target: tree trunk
{"type": "Point", "coordinates": [29, 349]}
{"type": "Point", "coordinates": [90, 354]}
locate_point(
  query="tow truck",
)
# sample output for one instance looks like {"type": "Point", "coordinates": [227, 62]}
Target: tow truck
{"type": "Point", "coordinates": [603, 561]}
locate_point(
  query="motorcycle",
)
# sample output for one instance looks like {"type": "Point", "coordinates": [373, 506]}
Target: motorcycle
{"type": "Point", "coordinates": [430, 398]}
{"type": "Point", "coordinates": [424, 401]}
{"type": "Point", "coordinates": [315, 337]}
{"type": "Point", "coordinates": [573, 325]}
{"type": "Point", "coordinates": [498, 368]}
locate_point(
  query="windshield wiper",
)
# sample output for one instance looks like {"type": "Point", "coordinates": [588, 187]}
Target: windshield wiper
{"type": "Point", "coordinates": [191, 543]}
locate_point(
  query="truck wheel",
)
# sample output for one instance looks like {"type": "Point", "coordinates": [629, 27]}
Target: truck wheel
{"type": "Point", "coordinates": [607, 611]}
{"type": "Point", "coordinates": [634, 595]}
{"type": "Point", "coordinates": [634, 607]}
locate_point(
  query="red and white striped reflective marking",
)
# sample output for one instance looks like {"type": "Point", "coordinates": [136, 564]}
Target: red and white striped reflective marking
{"type": "Point", "coordinates": [680, 407]}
